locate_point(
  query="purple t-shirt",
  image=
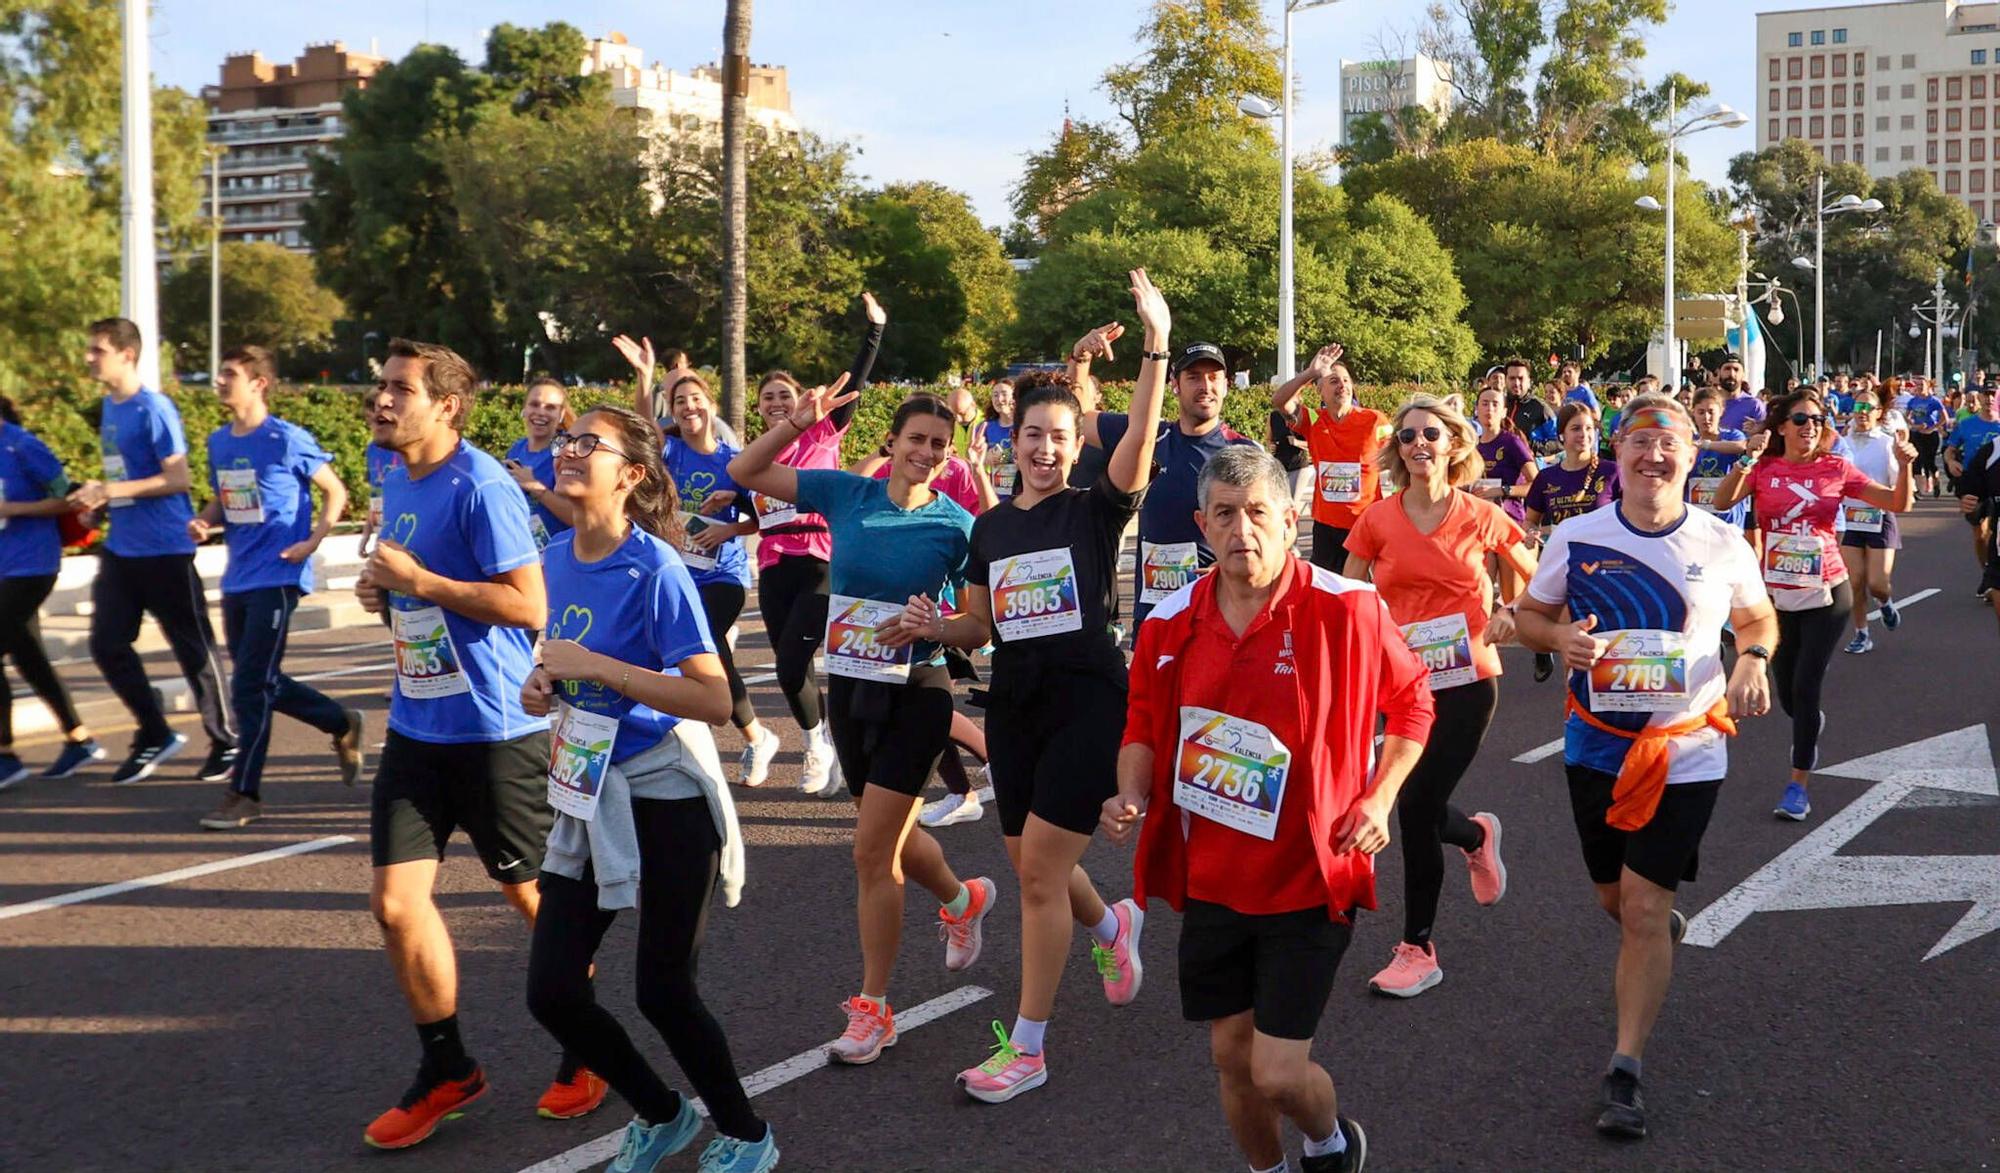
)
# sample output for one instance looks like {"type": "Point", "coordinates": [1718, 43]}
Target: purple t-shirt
{"type": "Point", "coordinates": [1559, 494]}
{"type": "Point", "coordinates": [1740, 409]}
{"type": "Point", "coordinates": [1506, 455]}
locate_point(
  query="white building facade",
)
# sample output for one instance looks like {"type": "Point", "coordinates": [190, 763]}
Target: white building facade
{"type": "Point", "coordinates": [1388, 87]}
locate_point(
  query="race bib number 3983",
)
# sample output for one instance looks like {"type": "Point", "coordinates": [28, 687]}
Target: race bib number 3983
{"type": "Point", "coordinates": [1035, 595]}
{"type": "Point", "coordinates": [851, 647]}
{"type": "Point", "coordinates": [1231, 771]}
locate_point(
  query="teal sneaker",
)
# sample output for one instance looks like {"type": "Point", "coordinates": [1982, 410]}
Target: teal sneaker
{"type": "Point", "coordinates": [726, 1154]}
{"type": "Point", "coordinates": [645, 1146]}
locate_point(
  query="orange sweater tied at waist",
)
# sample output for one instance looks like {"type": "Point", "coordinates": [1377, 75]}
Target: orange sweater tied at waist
{"type": "Point", "coordinates": [1643, 778]}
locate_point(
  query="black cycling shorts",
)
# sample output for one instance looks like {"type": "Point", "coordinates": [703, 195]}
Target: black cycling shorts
{"type": "Point", "coordinates": [890, 735]}
{"type": "Point", "coordinates": [1666, 851]}
{"type": "Point", "coordinates": [1056, 755]}
{"type": "Point", "coordinates": [1279, 966]}
{"type": "Point", "coordinates": [497, 792]}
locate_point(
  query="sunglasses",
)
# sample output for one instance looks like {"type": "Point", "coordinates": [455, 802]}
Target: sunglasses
{"type": "Point", "coordinates": [582, 446]}
{"type": "Point", "coordinates": [1432, 432]}
{"type": "Point", "coordinates": [1801, 418]}
{"type": "Point", "coordinates": [1865, 405]}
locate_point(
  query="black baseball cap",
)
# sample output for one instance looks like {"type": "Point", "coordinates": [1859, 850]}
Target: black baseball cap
{"type": "Point", "coordinates": [1195, 352]}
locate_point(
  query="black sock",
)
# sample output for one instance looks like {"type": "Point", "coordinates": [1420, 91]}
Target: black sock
{"type": "Point", "coordinates": [444, 1054]}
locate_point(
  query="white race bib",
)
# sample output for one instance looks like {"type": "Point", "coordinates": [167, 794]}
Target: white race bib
{"type": "Point", "coordinates": [1794, 560]}
{"type": "Point", "coordinates": [1340, 481]}
{"type": "Point", "coordinates": [375, 512]}
{"type": "Point", "coordinates": [426, 660]}
{"type": "Point", "coordinates": [579, 754]}
{"type": "Point", "coordinates": [1702, 492]}
{"type": "Point", "coordinates": [1861, 517]}
{"type": "Point", "coordinates": [851, 648]}
{"type": "Point", "coordinates": [771, 512]}
{"type": "Point", "coordinates": [114, 470]}
{"type": "Point", "coordinates": [1444, 645]}
{"type": "Point", "coordinates": [695, 557]}
{"type": "Point", "coordinates": [1231, 771]}
{"type": "Point", "coordinates": [1643, 671]}
{"type": "Point", "coordinates": [1166, 568]}
{"type": "Point", "coordinates": [538, 530]}
{"type": "Point", "coordinates": [1485, 485]}
{"type": "Point", "coordinates": [1035, 595]}
{"type": "Point", "coordinates": [1005, 478]}
{"type": "Point", "coordinates": [242, 500]}
{"type": "Point", "coordinates": [3, 501]}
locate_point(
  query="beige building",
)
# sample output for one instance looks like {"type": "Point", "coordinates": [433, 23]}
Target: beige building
{"type": "Point", "coordinates": [1389, 87]}
{"type": "Point", "coordinates": [268, 121]}
{"type": "Point", "coordinates": [689, 105]}
{"type": "Point", "coordinates": [1890, 86]}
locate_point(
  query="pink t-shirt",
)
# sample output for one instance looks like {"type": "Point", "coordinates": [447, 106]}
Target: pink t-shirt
{"type": "Point", "coordinates": [954, 481]}
{"type": "Point", "coordinates": [819, 447]}
{"type": "Point", "coordinates": [1797, 507]}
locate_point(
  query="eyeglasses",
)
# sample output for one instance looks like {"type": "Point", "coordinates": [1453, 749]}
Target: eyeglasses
{"type": "Point", "coordinates": [1433, 433]}
{"type": "Point", "coordinates": [583, 445]}
{"type": "Point", "coordinates": [1801, 418]}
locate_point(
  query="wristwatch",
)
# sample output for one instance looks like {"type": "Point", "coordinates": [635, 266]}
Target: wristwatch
{"type": "Point", "coordinates": [1156, 355]}
{"type": "Point", "coordinates": [1758, 650]}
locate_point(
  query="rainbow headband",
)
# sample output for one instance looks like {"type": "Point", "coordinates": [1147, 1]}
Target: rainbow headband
{"type": "Point", "coordinates": [1650, 417]}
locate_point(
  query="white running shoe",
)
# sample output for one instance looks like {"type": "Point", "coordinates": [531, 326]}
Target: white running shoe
{"type": "Point", "coordinates": [951, 810]}
{"type": "Point", "coordinates": [821, 763]}
{"type": "Point", "coordinates": [754, 767]}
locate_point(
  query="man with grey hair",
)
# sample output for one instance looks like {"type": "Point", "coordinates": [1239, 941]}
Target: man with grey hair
{"type": "Point", "coordinates": [1254, 692]}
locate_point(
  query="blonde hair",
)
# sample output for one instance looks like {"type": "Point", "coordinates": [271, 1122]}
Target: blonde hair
{"type": "Point", "coordinates": [1464, 465]}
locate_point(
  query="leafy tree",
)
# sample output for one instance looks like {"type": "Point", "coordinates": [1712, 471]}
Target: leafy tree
{"type": "Point", "coordinates": [1082, 157]}
{"type": "Point", "coordinates": [1488, 45]}
{"type": "Point", "coordinates": [534, 71]}
{"type": "Point", "coordinates": [1591, 70]}
{"type": "Point", "coordinates": [941, 273]}
{"type": "Point", "coordinates": [269, 298]}
{"type": "Point", "coordinates": [1197, 58]}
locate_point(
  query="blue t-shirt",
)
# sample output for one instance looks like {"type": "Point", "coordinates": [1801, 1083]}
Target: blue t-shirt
{"type": "Point", "coordinates": [268, 474]}
{"type": "Point", "coordinates": [379, 461]}
{"type": "Point", "coordinates": [543, 465]}
{"type": "Point", "coordinates": [1924, 411]}
{"type": "Point", "coordinates": [30, 547]}
{"type": "Point", "coordinates": [1969, 433]}
{"type": "Point", "coordinates": [885, 553]}
{"type": "Point", "coordinates": [696, 477]}
{"type": "Point", "coordinates": [1714, 465]}
{"type": "Point", "coordinates": [1167, 517]}
{"type": "Point", "coordinates": [1581, 393]}
{"type": "Point", "coordinates": [465, 520]}
{"type": "Point", "coordinates": [637, 606]}
{"type": "Point", "coordinates": [999, 439]}
{"type": "Point", "coordinates": [137, 436]}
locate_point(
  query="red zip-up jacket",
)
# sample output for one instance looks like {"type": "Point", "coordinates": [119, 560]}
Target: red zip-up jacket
{"type": "Point", "coordinates": [1351, 664]}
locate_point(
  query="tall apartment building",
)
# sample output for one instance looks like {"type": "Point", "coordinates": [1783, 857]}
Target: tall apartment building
{"type": "Point", "coordinates": [1388, 87]}
{"type": "Point", "coordinates": [1892, 86]}
{"type": "Point", "coordinates": [269, 120]}
{"type": "Point", "coordinates": [689, 105]}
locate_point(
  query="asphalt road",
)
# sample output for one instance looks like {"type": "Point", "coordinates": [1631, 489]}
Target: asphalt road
{"type": "Point", "coordinates": [245, 1019]}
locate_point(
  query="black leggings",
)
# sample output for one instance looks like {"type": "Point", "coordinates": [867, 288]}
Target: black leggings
{"type": "Point", "coordinates": [723, 602]}
{"type": "Point", "coordinates": [1329, 550]}
{"type": "Point", "coordinates": [793, 597]}
{"type": "Point", "coordinates": [1806, 640]}
{"type": "Point", "coordinates": [1423, 810]}
{"type": "Point", "coordinates": [21, 641]}
{"type": "Point", "coordinates": [679, 854]}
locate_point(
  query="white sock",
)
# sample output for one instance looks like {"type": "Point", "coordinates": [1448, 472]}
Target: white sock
{"type": "Point", "coordinates": [1861, 630]}
{"type": "Point", "coordinates": [1027, 1036]}
{"type": "Point", "coordinates": [1106, 930]}
{"type": "Point", "coordinates": [1337, 1143]}
{"type": "Point", "coordinates": [1283, 1166]}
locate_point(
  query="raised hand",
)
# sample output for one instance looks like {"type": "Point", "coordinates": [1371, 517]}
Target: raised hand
{"type": "Point", "coordinates": [1755, 442]}
{"type": "Point", "coordinates": [1323, 359]}
{"type": "Point", "coordinates": [639, 354]}
{"type": "Point", "coordinates": [1098, 342]}
{"type": "Point", "coordinates": [876, 314]}
{"type": "Point", "coordinates": [1154, 316]}
{"type": "Point", "coordinates": [818, 403]}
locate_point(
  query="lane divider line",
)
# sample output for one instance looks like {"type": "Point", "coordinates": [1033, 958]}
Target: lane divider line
{"type": "Point", "coordinates": [10, 911]}
{"type": "Point", "coordinates": [1546, 749]}
{"type": "Point", "coordinates": [596, 1152]}
{"type": "Point", "coordinates": [1919, 597]}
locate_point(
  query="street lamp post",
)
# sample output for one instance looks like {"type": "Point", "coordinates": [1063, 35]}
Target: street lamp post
{"type": "Point", "coordinates": [1821, 210]}
{"type": "Point", "coordinates": [1725, 118]}
{"type": "Point", "coordinates": [214, 263]}
{"type": "Point", "coordinates": [1939, 314]}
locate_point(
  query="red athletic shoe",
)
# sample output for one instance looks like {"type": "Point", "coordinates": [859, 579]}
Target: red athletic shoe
{"type": "Point", "coordinates": [578, 1095]}
{"type": "Point", "coordinates": [428, 1103]}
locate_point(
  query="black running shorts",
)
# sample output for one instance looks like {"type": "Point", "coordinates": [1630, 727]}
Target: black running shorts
{"type": "Point", "coordinates": [1666, 851]}
{"type": "Point", "coordinates": [1280, 967]}
{"type": "Point", "coordinates": [497, 792]}
{"type": "Point", "coordinates": [1055, 756]}
{"type": "Point", "coordinates": [890, 735]}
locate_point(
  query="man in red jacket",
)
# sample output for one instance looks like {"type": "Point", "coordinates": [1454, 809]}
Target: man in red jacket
{"type": "Point", "coordinates": [1254, 692]}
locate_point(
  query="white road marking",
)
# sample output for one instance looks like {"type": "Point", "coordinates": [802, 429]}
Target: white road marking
{"type": "Point", "coordinates": [1547, 749]}
{"type": "Point", "coordinates": [777, 1075]}
{"type": "Point", "coordinates": [1919, 597]}
{"type": "Point", "coordinates": [174, 877]}
{"type": "Point", "coordinates": [357, 670]}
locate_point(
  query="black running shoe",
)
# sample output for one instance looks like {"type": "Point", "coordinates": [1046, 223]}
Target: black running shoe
{"type": "Point", "coordinates": [1677, 925]}
{"type": "Point", "coordinates": [1545, 666]}
{"type": "Point", "coordinates": [1624, 1114]}
{"type": "Point", "coordinates": [220, 762]}
{"type": "Point", "coordinates": [146, 755]}
{"type": "Point", "coordinates": [1348, 1160]}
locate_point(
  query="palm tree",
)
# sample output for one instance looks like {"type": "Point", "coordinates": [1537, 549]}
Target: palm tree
{"type": "Point", "coordinates": [735, 194]}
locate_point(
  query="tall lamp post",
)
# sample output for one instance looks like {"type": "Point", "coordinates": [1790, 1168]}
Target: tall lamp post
{"type": "Point", "coordinates": [1721, 117]}
{"type": "Point", "coordinates": [1821, 210]}
{"type": "Point", "coordinates": [1774, 291]}
{"type": "Point", "coordinates": [1257, 107]}
{"type": "Point", "coordinates": [215, 155]}
{"type": "Point", "coordinates": [1939, 314]}
{"type": "Point", "coordinates": [139, 271]}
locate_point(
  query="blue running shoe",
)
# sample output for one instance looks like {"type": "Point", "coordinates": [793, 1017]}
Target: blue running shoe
{"type": "Point", "coordinates": [645, 1146]}
{"type": "Point", "coordinates": [11, 770]}
{"type": "Point", "coordinates": [73, 757]}
{"type": "Point", "coordinates": [1794, 805]}
{"type": "Point", "coordinates": [1891, 618]}
{"type": "Point", "coordinates": [1861, 643]}
{"type": "Point", "coordinates": [726, 1154]}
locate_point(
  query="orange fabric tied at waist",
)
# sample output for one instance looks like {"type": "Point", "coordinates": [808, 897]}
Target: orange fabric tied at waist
{"type": "Point", "coordinates": [1643, 778]}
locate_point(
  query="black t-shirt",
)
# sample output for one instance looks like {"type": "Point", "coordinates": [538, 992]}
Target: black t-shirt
{"type": "Point", "coordinates": [1089, 467]}
{"type": "Point", "coordinates": [1286, 445]}
{"type": "Point", "coordinates": [1056, 594]}
{"type": "Point", "coordinates": [1529, 414]}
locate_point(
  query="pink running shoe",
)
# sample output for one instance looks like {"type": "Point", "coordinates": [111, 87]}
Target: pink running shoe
{"type": "Point", "coordinates": [1410, 972]}
{"type": "Point", "coordinates": [962, 936]}
{"type": "Point", "coordinates": [1006, 1075]}
{"type": "Point", "coordinates": [1489, 874]}
{"type": "Point", "coordinates": [1118, 963]}
{"type": "Point", "coordinates": [871, 1029]}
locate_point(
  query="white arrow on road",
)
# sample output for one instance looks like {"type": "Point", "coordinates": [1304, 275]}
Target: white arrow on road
{"type": "Point", "coordinates": [1810, 875]}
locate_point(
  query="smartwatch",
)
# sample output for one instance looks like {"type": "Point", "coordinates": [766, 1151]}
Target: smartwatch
{"type": "Point", "coordinates": [1156, 355]}
{"type": "Point", "coordinates": [1758, 650]}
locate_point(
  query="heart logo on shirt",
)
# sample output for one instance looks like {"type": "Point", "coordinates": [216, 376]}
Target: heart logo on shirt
{"type": "Point", "coordinates": [573, 625]}
{"type": "Point", "coordinates": [404, 530]}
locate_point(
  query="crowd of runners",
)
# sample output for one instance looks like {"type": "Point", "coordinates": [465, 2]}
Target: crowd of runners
{"type": "Point", "coordinates": [563, 620]}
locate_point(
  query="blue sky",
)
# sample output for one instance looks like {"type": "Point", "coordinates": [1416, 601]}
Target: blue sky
{"type": "Point", "coordinates": [949, 90]}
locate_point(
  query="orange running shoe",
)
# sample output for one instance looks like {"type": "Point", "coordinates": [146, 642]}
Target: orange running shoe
{"type": "Point", "coordinates": [428, 1103]}
{"type": "Point", "coordinates": [577, 1091]}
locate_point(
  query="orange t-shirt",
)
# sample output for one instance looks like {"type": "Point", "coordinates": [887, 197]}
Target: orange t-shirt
{"type": "Point", "coordinates": [1439, 580]}
{"type": "Point", "coordinates": [1343, 452]}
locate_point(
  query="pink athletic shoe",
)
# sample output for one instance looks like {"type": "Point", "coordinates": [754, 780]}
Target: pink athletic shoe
{"type": "Point", "coordinates": [1006, 1075]}
{"type": "Point", "coordinates": [871, 1029]}
{"type": "Point", "coordinates": [1489, 874]}
{"type": "Point", "coordinates": [1410, 972]}
{"type": "Point", "coordinates": [1118, 963]}
{"type": "Point", "coordinates": [962, 936]}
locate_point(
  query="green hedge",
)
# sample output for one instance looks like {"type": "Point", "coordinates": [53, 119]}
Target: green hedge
{"type": "Point", "coordinates": [333, 415]}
